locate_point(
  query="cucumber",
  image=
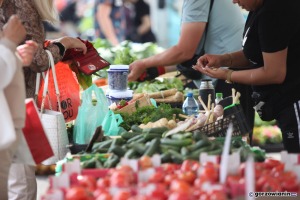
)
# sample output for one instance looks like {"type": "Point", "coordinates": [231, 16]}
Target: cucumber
{"type": "Point", "coordinates": [136, 128]}
{"type": "Point", "coordinates": [131, 153]}
{"type": "Point", "coordinates": [101, 150]}
{"type": "Point", "coordinates": [127, 135]}
{"type": "Point", "coordinates": [198, 135]}
{"type": "Point", "coordinates": [177, 136]}
{"type": "Point", "coordinates": [165, 147]}
{"type": "Point", "coordinates": [135, 138]}
{"type": "Point", "coordinates": [100, 145]}
{"type": "Point", "coordinates": [150, 136]}
{"type": "Point", "coordinates": [176, 157]}
{"type": "Point", "coordinates": [119, 151]}
{"type": "Point", "coordinates": [166, 157]}
{"type": "Point", "coordinates": [89, 164]}
{"type": "Point", "coordinates": [158, 130]}
{"type": "Point", "coordinates": [178, 143]}
{"type": "Point", "coordinates": [112, 161]}
{"type": "Point", "coordinates": [153, 148]}
{"type": "Point", "coordinates": [139, 148]}
{"type": "Point", "coordinates": [184, 151]}
{"type": "Point", "coordinates": [199, 144]}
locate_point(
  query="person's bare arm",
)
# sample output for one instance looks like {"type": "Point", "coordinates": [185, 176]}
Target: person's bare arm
{"type": "Point", "coordinates": [105, 23]}
{"type": "Point", "coordinates": [145, 26]}
{"type": "Point", "coordinates": [191, 34]}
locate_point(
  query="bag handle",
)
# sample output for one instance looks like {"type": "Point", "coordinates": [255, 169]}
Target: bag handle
{"type": "Point", "coordinates": [46, 83]}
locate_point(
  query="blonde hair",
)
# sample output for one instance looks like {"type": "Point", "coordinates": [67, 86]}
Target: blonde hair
{"type": "Point", "coordinates": [47, 10]}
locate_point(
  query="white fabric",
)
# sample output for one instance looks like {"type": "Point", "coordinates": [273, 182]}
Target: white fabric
{"type": "Point", "coordinates": [8, 68]}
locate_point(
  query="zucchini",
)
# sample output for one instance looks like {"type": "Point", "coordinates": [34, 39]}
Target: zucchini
{"type": "Point", "coordinates": [150, 136]}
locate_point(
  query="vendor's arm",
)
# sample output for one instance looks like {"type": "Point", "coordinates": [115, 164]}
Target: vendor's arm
{"type": "Point", "coordinates": [191, 34]}
{"type": "Point", "coordinates": [105, 22]}
{"type": "Point", "coordinates": [273, 71]}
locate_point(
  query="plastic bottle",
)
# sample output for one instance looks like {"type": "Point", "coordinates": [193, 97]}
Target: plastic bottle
{"type": "Point", "coordinates": [206, 88]}
{"type": "Point", "coordinates": [219, 97]}
{"type": "Point", "coordinates": [190, 105]}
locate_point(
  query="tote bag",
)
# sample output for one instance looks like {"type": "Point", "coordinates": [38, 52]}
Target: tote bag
{"type": "Point", "coordinates": [53, 121]}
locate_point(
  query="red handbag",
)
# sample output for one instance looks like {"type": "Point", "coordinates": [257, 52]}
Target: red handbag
{"type": "Point", "coordinates": [89, 63]}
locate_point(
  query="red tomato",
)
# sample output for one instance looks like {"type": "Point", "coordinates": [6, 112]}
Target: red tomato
{"type": "Point", "coordinates": [187, 176]}
{"type": "Point", "coordinates": [204, 196]}
{"type": "Point", "coordinates": [119, 179]}
{"type": "Point", "coordinates": [272, 185]}
{"type": "Point", "coordinates": [104, 196]}
{"type": "Point", "coordinates": [200, 181]}
{"type": "Point", "coordinates": [209, 171]}
{"type": "Point", "coordinates": [217, 195]}
{"type": "Point", "coordinates": [169, 178]}
{"type": "Point", "coordinates": [180, 186]}
{"type": "Point", "coordinates": [78, 193]}
{"type": "Point", "coordinates": [271, 163]}
{"type": "Point", "coordinates": [103, 182]}
{"type": "Point", "coordinates": [190, 165]}
{"type": "Point", "coordinates": [261, 182]}
{"type": "Point", "coordinates": [145, 162]}
{"type": "Point", "coordinates": [87, 181]}
{"type": "Point", "coordinates": [179, 196]}
{"type": "Point", "coordinates": [170, 167]}
{"type": "Point", "coordinates": [122, 195]}
{"type": "Point", "coordinates": [159, 191]}
{"type": "Point", "coordinates": [157, 177]}
{"type": "Point", "coordinates": [290, 185]}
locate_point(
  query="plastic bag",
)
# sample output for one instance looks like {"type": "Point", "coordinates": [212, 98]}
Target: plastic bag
{"type": "Point", "coordinates": [111, 123]}
{"type": "Point", "coordinates": [69, 92]}
{"type": "Point", "coordinates": [90, 114]}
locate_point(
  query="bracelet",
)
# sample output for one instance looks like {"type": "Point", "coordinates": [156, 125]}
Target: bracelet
{"type": "Point", "coordinates": [62, 48]}
{"type": "Point", "coordinates": [228, 76]}
{"type": "Point", "coordinates": [230, 59]}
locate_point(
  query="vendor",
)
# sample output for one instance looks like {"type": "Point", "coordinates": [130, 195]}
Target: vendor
{"type": "Point", "coordinates": [271, 43]}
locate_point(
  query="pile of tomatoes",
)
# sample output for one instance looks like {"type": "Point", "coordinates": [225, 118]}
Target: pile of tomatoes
{"type": "Point", "coordinates": [188, 181]}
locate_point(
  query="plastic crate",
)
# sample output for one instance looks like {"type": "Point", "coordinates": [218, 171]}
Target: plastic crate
{"type": "Point", "coordinates": [234, 115]}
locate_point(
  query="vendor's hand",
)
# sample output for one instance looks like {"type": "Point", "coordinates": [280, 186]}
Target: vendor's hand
{"type": "Point", "coordinates": [209, 60]}
{"type": "Point", "coordinates": [136, 69]}
{"type": "Point", "coordinates": [14, 30]}
{"type": "Point", "coordinates": [70, 42]}
{"type": "Point", "coordinates": [27, 52]}
{"type": "Point", "coordinates": [219, 73]}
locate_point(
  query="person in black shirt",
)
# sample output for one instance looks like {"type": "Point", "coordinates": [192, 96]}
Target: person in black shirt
{"type": "Point", "coordinates": [271, 43]}
{"type": "Point", "coordinates": [139, 17]}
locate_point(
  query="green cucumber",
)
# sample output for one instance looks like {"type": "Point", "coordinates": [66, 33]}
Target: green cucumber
{"type": "Point", "coordinates": [158, 130]}
{"type": "Point", "coordinates": [139, 148]}
{"type": "Point", "coordinates": [176, 157]}
{"type": "Point", "coordinates": [199, 144]}
{"type": "Point", "coordinates": [135, 138]}
{"type": "Point", "coordinates": [153, 148]}
{"type": "Point", "coordinates": [119, 151]}
{"type": "Point", "coordinates": [150, 136]}
{"type": "Point", "coordinates": [136, 128]}
{"type": "Point", "coordinates": [128, 135]}
{"type": "Point", "coordinates": [178, 143]}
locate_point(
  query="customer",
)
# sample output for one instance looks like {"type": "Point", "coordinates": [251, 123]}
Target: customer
{"type": "Point", "coordinates": [12, 92]}
{"type": "Point", "coordinates": [110, 20]}
{"type": "Point", "coordinates": [224, 31]}
{"type": "Point", "coordinates": [22, 181]}
{"type": "Point", "coordinates": [271, 43]}
{"type": "Point", "coordinates": [139, 17]}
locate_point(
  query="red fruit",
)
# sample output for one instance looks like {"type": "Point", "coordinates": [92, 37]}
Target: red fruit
{"type": "Point", "coordinates": [78, 193]}
{"type": "Point", "coordinates": [87, 181]}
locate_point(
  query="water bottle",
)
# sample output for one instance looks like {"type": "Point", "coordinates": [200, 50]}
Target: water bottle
{"type": "Point", "coordinates": [206, 88]}
{"type": "Point", "coordinates": [219, 97]}
{"type": "Point", "coordinates": [190, 105]}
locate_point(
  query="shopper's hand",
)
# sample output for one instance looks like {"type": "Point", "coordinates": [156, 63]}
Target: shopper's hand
{"type": "Point", "coordinates": [27, 52]}
{"type": "Point", "coordinates": [209, 60]}
{"type": "Point", "coordinates": [136, 69]}
{"type": "Point", "coordinates": [14, 30]}
{"type": "Point", "coordinates": [70, 42]}
{"type": "Point", "coordinates": [219, 73]}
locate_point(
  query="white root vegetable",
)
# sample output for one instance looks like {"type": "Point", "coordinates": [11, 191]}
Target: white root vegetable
{"type": "Point", "coordinates": [181, 127]}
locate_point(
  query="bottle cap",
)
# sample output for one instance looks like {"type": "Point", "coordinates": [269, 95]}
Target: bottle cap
{"type": "Point", "coordinates": [189, 94]}
{"type": "Point", "coordinates": [219, 95]}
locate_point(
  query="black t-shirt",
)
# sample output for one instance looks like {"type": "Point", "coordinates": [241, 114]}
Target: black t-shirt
{"type": "Point", "coordinates": [274, 27]}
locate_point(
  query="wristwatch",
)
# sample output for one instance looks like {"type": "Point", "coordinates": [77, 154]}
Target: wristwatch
{"type": "Point", "coordinates": [61, 47]}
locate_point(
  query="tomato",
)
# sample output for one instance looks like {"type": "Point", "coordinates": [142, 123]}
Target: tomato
{"type": "Point", "coordinates": [78, 193]}
{"type": "Point", "coordinates": [204, 196]}
{"type": "Point", "coordinates": [272, 185]}
{"type": "Point", "coordinates": [102, 195]}
{"type": "Point", "coordinates": [170, 167]}
{"type": "Point", "coordinates": [200, 181]}
{"type": "Point", "coordinates": [271, 163]}
{"type": "Point", "coordinates": [217, 195]}
{"type": "Point", "coordinates": [145, 162]}
{"type": "Point", "coordinates": [119, 179]}
{"type": "Point", "coordinates": [157, 177]}
{"type": "Point", "coordinates": [209, 171]}
{"type": "Point", "coordinates": [190, 165]}
{"type": "Point", "coordinates": [87, 181]}
{"type": "Point", "coordinates": [128, 171]}
{"type": "Point", "coordinates": [169, 178]}
{"type": "Point", "coordinates": [159, 191]}
{"type": "Point", "coordinates": [179, 196]}
{"type": "Point", "coordinates": [290, 185]}
{"type": "Point", "coordinates": [180, 186]}
{"type": "Point", "coordinates": [122, 195]}
{"type": "Point", "coordinates": [187, 176]}
{"type": "Point", "coordinates": [103, 182]}
{"type": "Point", "coordinates": [261, 182]}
